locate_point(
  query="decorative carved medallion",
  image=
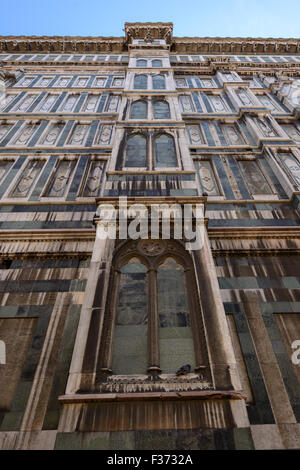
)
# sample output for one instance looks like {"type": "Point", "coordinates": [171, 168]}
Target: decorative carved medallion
{"type": "Point", "coordinates": [151, 247]}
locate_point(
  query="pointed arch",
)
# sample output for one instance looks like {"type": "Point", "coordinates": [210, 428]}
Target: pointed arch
{"type": "Point", "coordinates": [140, 82]}
{"type": "Point", "coordinates": [161, 109]}
{"type": "Point", "coordinates": [136, 151]}
{"type": "Point", "coordinates": [158, 82]}
{"type": "Point", "coordinates": [165, 153]}
{"type": "Point", "coordinates": [138, 110]}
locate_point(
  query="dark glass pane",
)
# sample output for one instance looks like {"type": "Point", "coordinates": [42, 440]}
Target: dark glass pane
{"type": "Point", "coordinates": [140, 82]}
{"type": "Point", "coordinates": [138, 110]}
{"type": "Point", "coordinates": [175, 333]}
{"type": "Point", "coordinates": [156, 63]}
{"type": "Point", "coordinates": [130, 336]}
{"type": "Point", "coordinates": [136, 152]}
{"type": "Point", "coordinates": [165, 151]}
{"type": "Point", "coordinates": [159, 82]}
{"type": "Point", "coordinates": [141, 63]}
{"type": "Point", "coordinates": [161, 110]}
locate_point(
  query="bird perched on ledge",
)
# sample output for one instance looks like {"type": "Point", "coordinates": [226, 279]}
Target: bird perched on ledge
{"type": "Point", "coordinates": [184, 370]}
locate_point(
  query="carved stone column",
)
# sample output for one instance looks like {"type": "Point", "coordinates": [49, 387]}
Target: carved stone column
{"type": "Point", "coordinates": [153, 330]}
{"type": "Point", "coordinates": [221, 355]}
{"type": "Point", "coordinates": [82, 369]}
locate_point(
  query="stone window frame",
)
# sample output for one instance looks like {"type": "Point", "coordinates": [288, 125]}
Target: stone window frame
{"type": "Point", "coordinates": [185, 85]}
{"type": "Point", "coordinates": [98, 131]}
{"type": "Point", "coordinates": [14, 138]}
{"type": "Point", "coordinates": [150, 136]}
{"type": "Point", "coordinates": [221, 195]}
{"type": "Point", "coordinates": [34, 94]}
{"type": "Point", "coordinates": [14, 95]}
{"type": "Point", "coordinates": [107, 102]}
{"type": "Point", "coordinates": [140, 75]}
{"type": "Point", "coordinates": [105, 77]}
{"type": "Point", "coordinates": [80, 77]}
{"type": "Point", "coordinates": [116, 77]}
{"type": "Point", "coordinates": [150, 102]}
{"type": "Point", "coordinates": [43, 195]}
{"type": "Point", "coordinates": [43, 77]}
{"type": "Point", "coordinates": [292, 124]}
{"type": "Point", "coordinates": [153, 76]}
{"type": "Point", "coordinates": [150, 76]}
{"type": "Point", "coordinates": [202, 135]}
{"type": "Point", "coordinates": [81, 186]}
{"type": "Point", "coordinates": [239, 131]}
{"type": "Point", "coordinates": [82, 110]}
{"type": "Point", "coordinates": [19, 83]}
{"type": "Point", "coordinates": [278, 109]}
{"type": "Point", "coordinates": [56, 83]}
{"type": "Point", "coordinates": [46, 130]}
{"type": "Point", "coordinates": [152, 260]}
{"type": "Point", "coordinates": [182, 111]}
{"type": "Point", "coordinates": [70, 134]}
{"type": "Point", "coordinates": [40, 104]}
{"type": "Point", "coordinates": [6, 196]}
{"type": "Point", "coordinates": [60, 109]}
{"type": "Point", "coordinates": [294, 186]}
{"type": "Point", "coordinates": [211, 79]}
{"type": "Point", "coordinates": [9, 158]}
{"type": "Point", "coordinates": [7, 122]}
{"type": "Point", "coordinates": [220, 95]}
{"type": "Point", "coordinates": [137, 63]}
{"type": "Point", "coordinates": [144, 100]}
{"type": "Point", "coordinates": [273, 195]}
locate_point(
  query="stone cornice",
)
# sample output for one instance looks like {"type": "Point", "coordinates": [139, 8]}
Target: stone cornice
{"type": "Point", "coordinates": [196, 45]}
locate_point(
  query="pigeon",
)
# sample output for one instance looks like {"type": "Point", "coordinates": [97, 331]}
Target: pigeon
{"type": "Point", "coordinates": [184, 370]}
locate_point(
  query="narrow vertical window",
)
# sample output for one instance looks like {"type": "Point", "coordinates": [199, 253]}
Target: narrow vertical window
{"type": "Point", "coordinates": [136, 152]}
{"type": "Point", "coordinates": [141, 63]}
{"type": "Point", "coordinates": [140, 82]}
{"type": "Point", "coordinates": [158, 82]}
{"type": "Point", "coordinates": [161, 110]}
{"type": "Point", "coordinates": [130, 335]}
{"type": "Point", "coordinates": [165, 151]}
{"type": "Point", "coordinates": [176, 344]}
{"type": "Point", "coordinates": [156, 63]}
{"type": "Point", "coordinates": [138, 110]}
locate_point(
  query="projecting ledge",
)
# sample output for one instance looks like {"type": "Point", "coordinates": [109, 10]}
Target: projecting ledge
{"type": "Point", "coordinates": [111, 397]}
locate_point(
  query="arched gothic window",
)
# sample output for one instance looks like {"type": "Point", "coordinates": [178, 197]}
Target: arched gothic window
{"type": "Point", "coordinates": [136, 151]}
{"type": "Point", "coordinates": [159, 82]}
{"type": "Point", "coordinates": [165, 155]}
{"type": "Point", "coordinates": [130, 335]}
{"type": "Point", "coordinates": [156, 63]}
{"type": "Point", "coordinates": [141, 63]}
{"type": "Point", "coordinates": [140, 82]}
{"type": "Point", "coordinates": [153, 324]}
{"type": "Point", "coordinates": [161, 110]}
{"type": "Point", "coordinates": [138, 110]}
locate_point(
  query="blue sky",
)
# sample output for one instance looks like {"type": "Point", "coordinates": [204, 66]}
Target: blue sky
{"type": "Point", "coordinates": [235, 18]}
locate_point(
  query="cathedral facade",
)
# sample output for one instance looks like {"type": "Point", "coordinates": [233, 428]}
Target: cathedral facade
{"type": "Point", "coordinates": [94, 330]}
